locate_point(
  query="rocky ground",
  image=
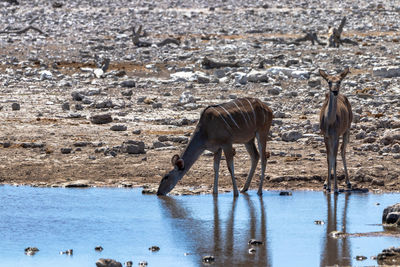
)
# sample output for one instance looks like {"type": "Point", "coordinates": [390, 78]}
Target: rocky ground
{"type": "Point", "coordinates": [70, 119]}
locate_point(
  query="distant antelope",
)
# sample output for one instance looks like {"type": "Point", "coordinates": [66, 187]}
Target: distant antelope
{"type": "Point", "coordinates": [335, 119]}
{"type": "Point", "coordinates": [236, 122]}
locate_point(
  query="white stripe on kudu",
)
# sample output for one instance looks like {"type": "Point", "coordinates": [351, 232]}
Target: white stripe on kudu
{"type": "Point", "coordinates": [222, 117]}
{"type": "Point", "coordinates": [244, 117]}
{"type": "Point", "coordinates": [230, 116]}
{"type": "Point", "coordinates": [247, 114]}
{"type": "Point", "coordinates": [254, 113]}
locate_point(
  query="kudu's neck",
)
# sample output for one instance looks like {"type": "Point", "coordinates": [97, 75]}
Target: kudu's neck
{"type": "Point", "coordinates": [330, 112]}
{"type": "Point", "coordinates": [194, 149]}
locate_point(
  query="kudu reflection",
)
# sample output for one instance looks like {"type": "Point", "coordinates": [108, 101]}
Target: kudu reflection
{"type": "Point", "coordinates": [336, 251]}
{"type": "Point", "coordinates": [222, 238]}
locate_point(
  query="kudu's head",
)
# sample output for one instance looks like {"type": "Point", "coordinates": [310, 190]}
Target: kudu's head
{"type": "Point", "coordinates": [170, 179]}
{"type": "Point", "coordinates": [334, 81]}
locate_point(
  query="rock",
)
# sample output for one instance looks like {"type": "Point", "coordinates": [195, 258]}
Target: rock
{"type": "Point", "coordinates": [66, 150]}
{"type": "Point", "coordinates": [128, 92]}
{"type": "Point", "coordinates": [289, 72]}
{"type": "Point", "coordinates": [240, 78]}
{"type": "Point", "coordinates": [291, 136]}
{"type": "Point", "coordinates": [154, 248]}
{"type": "Point", "coordinates": [133, 147]}
{"type": "Point", "coordinates": [103, 104]}
{"type": "Point", "coordinates": [274, 91]}
{"type": "Point", "coordinates": [76, 184]}
{"type": "Point", "coordinates": [156, 105]}
{"type": "Point", "coordinates": [118, 127]}
{"type": "Point", "coordinates": [387, 71]}
{"type": "Point", "coordinates": [255, 242]}
{"type": "Point", "coordinates": [46, 75]}
{"type": "Point", "coordinates": [186, 97]}
{"type": "Point", "coordinates": [285, 193]}
{"type": "Point", "coordinates": [108, 263]}
{"type": "Point", "coordinates": [30, 251]}
{"type": "Point", "coordinates": [319, 222]}
{"type": "Point", "coordinates": [65, 106]}
{"type": "Point", "coordinates": [101, 119]}
{"type": "Point", "coordinates": [361, 258]}
{"type": "Point", "coordinates": [257, 76]}
{"type": "Point", "coordinates": [201, 77]}
{"type": "Point", "coordinates": [67, 252]}
{"type": "Point", "coordinates": [99, 73]}
{"type": "Point", "coordinates": [208, 259]}
{"type": "Point", "coordinates": [391, 215]}
{"type": "Point", "coordinates": [129, 264]}
{"type": "Point", "coordinates": [15, 106]}
{"type": "Point", "coordinates": [98, 248]}
{"type": "Point", "coordinates": [389, 256]}
{"type": "Point", "coordinates": [314, 82]}
{"type": "Point", "coordinates": [77, 96]}
{"type": "Point", "coordinates": [183, 76]}
{"type": "Point", "coordinates": [143, 263]}
{"type": "Point", "coordinates": [128, 84]}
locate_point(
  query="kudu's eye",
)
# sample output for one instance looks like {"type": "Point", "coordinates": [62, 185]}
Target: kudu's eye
{"type": "Point", "coordinates": [330, 83]}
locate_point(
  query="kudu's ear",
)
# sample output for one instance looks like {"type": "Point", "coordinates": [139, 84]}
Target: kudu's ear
{"type": "Point", "coordinates": [344, 73]}
{"type": "Point", "coordinates": [174, 159]}
{"type": "Point", "coordinates": [323, 74]}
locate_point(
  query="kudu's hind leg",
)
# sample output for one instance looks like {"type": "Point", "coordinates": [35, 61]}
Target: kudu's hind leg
{"type": "Point", "coordinates": [252, 150]}
{"type": "Point", "coordinates": [217, 160]}
{"type": "Point", "coordinates": [343, 153]}
{"type": "Point", "coordinates": [262, 147]}
{"type": "Point", "coordinates": [229, 153]}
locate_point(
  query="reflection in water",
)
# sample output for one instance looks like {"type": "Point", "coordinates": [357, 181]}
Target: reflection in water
{"type": "Point", "coordinates": [336, 250]}
{"type": "Point", "coordinates": [220, 238]}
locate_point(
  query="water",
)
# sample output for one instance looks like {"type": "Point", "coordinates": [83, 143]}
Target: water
{"type": "Point", "coordinates": [186, 228]}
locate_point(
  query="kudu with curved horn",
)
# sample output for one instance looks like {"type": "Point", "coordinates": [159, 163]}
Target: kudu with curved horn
{"type": "Point", "coordinates": [335, 120]}
{"type": "Point", "coordinates": [236, 122]}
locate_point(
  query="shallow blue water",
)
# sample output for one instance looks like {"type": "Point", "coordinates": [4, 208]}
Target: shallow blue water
{"type": "Point", "coordinates": [126, 223]}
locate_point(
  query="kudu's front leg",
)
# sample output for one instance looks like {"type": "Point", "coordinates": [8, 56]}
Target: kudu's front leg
{"type": "Point", "coordinates": [217, 160]}
{"type": "Point", "coordinates": [229, 153]}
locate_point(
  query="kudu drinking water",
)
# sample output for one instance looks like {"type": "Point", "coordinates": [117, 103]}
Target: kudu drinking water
{"type": "Point", "coordinates": [335, 120]}
{"type": "Point", "coordinates": [236, 122]}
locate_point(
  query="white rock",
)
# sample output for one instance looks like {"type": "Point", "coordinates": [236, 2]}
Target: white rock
{"type": "Point", "coordinates": [98, 73]}
{"type": "Point", "coordinates": [387, 71]}
{"type": "Point", "coordinates": [290, 72]}
{"type": "Point", "coordinates": [46, 75]}
{"type": "Point", "coordinates": [257, 76]}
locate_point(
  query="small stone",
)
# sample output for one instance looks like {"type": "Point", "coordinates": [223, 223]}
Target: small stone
{"type": "Point", "coordinates": [137, 132]}
{"type": "Point", "coordinates": [208, 259]}
{"type": "Point", "coordinates": [154, 248]}
{"type": "Point", "coordinates": [285, 193]}
{"type": "Point", "coordinates": [118, 128]}
{"type": "Point", "coordinates": [67, 252]}
{"type": "Point", "coordinates": [101, 119]}
{"type": "Point", "coordinates": [127, 92]}
{"type": "Point", "coordinates": [30, 251]}
{"type": "Point", "coordinates": [252, 251]}
{"type": "Point", "coordinates": [66, 150]}
{"type": "Point", "coordinates": [46, 75]}
{"type": "Point", "coordinates": [143, 263]}
{"type": "Point", "coordinates": [77, 96]}
{"type": "Point", "coordinates": [319, 222]}
{"type": "Point", "coordinates": [255, 242]}
{"type": "Point", "coordinates": [157, 105]}
{"type": "Point", "coordinates": [361, 258]}
{"type": "Point", "coordinates": [65, 106]}
{"type": "Point", "coordinates": [291, 136]}
{"type": "Point", "coordinates": [128, 84]}
{"type": "Point", "coordinates": [98, 248]}
{"type": "Point", "coordinates": [129, 264]}
{"type": "Point", "coordinates": [15, 106]}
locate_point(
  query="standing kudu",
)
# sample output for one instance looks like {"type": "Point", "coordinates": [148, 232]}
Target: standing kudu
{"type": "Point", "coordinates": [236, 122]}
{"type": "Point", "coordinates": [335, 120]}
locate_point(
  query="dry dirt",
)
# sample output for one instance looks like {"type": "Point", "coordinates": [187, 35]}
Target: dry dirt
{"type": "Point", "coordinates": [31, 138]}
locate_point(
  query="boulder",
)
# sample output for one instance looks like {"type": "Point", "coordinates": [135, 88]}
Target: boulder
{"type": "Point", "coordinates": [391, 215]}
{"type": "Point", "coordinates": [289, 72]}
{"type": "Point", "coordinates": [108, 263]}
{"type": "Point", "coordinates": [128, 84]}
